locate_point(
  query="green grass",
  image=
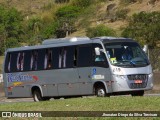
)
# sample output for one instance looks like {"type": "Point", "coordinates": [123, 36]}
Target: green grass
{"type": "Point", "coordinates": [119, 103]}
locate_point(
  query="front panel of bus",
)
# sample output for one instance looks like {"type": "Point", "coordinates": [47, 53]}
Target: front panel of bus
{"type": "Point", "coordinates": [129, 65]}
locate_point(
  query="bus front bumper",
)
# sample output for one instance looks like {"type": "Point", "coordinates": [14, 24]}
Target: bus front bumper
{"type": "Point", "coordinates": [122, 83]}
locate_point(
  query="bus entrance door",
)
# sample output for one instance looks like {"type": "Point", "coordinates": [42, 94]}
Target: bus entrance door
{"type": "Point", "coordinates": [85, 82]}
{"type": "Point", "coordinates": [102, 74]}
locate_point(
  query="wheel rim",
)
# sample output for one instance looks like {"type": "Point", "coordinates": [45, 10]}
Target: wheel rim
{"type": "Point", "coordinates": [101, 92]}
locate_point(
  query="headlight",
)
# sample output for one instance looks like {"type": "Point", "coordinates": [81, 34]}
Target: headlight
{"type": "Point", "coordinates": [120, 76]}
{"type": "Point", "coordinates": [150, 75]}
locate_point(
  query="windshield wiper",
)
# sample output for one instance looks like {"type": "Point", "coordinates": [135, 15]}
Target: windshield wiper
{"type": "Point", "coordinates": [135, 63]}
{"type": "Point", "coordinates": [132, 63]}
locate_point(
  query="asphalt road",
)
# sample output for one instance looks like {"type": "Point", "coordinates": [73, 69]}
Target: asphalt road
{"type": "Point", "coordinates": [4, 100]}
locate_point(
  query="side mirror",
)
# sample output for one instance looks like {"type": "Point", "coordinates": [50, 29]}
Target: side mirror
{"type": "Point", "coordinates": [97, 51]}
{"type": "Point", "coordinates": [145, 48]}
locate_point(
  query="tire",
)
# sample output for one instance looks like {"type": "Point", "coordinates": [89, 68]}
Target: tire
{"type": "Point", "coordinates": [37, 96]}
{"type": "Point", "coordinates": [101, 92]}
{"type": "Point", "coordinates": [138, 93]}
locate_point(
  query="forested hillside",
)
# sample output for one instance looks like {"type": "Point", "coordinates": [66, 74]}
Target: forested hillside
{"type": "Point", "coordinates": [29, 22]}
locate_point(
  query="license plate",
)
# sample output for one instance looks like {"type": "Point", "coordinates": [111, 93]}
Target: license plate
{"type": "Point", "coordinates": [138, 81]}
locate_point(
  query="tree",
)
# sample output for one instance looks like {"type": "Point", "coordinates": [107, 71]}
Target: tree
{"type": "Point", "coordinates": [33, 29]}
{"type": "Point", "coordinates": [100, 30]}
{"type": "Point", "coordinates": [144, 27]}
{"type": "Point", "coordinates": [10, 27]}
{"type": "Point", "coordinates": [66, 17]}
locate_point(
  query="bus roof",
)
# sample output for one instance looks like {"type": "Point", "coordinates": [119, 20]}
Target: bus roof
{"type": "Point", "coordinates": [55, 43]}
{"type": "Point", "coordinates": [111, 38]}
{"type": "Point", "coordinates": [70, 41]}
{"type": "Point", "coordinates": [64, 40]}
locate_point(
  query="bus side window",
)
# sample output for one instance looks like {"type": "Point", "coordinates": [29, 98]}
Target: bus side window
{"type": "Point", "coordinates": [55, 57]}
{"type": "Point", "coordinates": [62, 57]}
{"type": "Point", "coordinates": [34, 59]}
{"type": "Point", "coordinates": [40, 59]}
{"type": "Point", "coordinates": [70, 57]}
{"type": "Point", "coordinates": [84, 55]}
{"type": "Point", "coordinates": [75, 57]}
{"type": "Point", "coordinates": [27, 60]}
{"type": "Point", "coordinates": [20, 61]}
{"type": "Point", "coordinates": [8, 63]}
{"type": "Point", "coordinates": [99, 60]}
{"type": "Point", "coordinates": [48, 59]}
{"type": "Point", "coordinates": [13, 62]}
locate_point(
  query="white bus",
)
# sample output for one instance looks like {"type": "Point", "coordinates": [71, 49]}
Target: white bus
{"type": "Point", "coordinates": [78, 66]}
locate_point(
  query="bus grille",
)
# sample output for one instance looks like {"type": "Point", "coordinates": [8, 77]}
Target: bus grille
{"type": "Point", "coordinates": [132, 79]}
{"type": "Point", "coordinates": [138, 77]}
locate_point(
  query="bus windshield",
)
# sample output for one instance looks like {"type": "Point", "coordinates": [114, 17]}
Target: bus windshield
{"type": "Point", "coordinates": [126, 54]}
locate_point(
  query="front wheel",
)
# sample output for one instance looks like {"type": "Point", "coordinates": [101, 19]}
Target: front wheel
{"type": "Point", "coordinates": [100, 92]}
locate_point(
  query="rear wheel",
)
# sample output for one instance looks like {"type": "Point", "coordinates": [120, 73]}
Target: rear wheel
{"type": "Point", "coordinates": [37, 96]}
{"type": "Point", "coordinates": [138, 93]}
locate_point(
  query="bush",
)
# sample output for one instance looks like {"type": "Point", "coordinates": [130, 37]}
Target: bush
{"type": "Point", "coordinates": [82, 3]}
{"type": "Point", "coordinates": [68, 12]}
{"type": "Point", "coordinates": [61, 1]}
{"type": "Point", "coordinates": [100, 30]}
{"type": "Point", "coordinates": [50, 30]}
{"type": "Point", "coordinates": [122, 14]}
